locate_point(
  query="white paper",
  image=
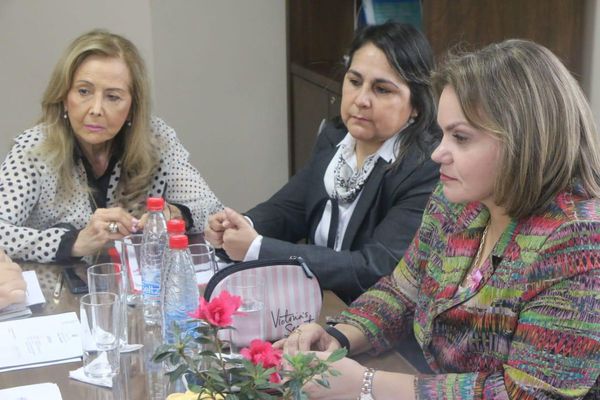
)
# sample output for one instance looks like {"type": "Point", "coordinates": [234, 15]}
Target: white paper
{"type": "Point", "coordinates": [80, 375]}
{"type": "Point", "coordinates": [46, 391]}
{"type": "Point", "coordinates": [34, 291]}
{"type": "Point", "coordinates": [68, 360]}
{"type": "Point", "coordinates": [14, 311]}
{"type": "Point", "coordinates": [128, 348]}
{"type": "Point", "coordinates": [34, 295]}
{"type": "Point", "coordinates": [28, 342]}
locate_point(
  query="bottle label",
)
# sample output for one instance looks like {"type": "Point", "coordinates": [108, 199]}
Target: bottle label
{"type": "Point", "coordinates": [151, 289]}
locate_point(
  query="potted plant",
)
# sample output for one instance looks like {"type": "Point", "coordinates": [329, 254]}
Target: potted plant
{"type": "Point", "coordinates": [262, 371]}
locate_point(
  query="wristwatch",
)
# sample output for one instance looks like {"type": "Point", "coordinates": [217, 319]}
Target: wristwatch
{"type": "Point", "coordinates": [366, 390]}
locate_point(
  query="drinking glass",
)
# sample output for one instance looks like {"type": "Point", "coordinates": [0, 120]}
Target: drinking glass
{"type": "Point", "coordinates": [100, 325]}
{"type": "Point", "coordinates": [110, 277]}
{"type": "Point", "coordinates": [205, 265]}
{"type": "Point", "coordinates": [130, 251]}
{"type": "Point", "coordinates": [250, 324]}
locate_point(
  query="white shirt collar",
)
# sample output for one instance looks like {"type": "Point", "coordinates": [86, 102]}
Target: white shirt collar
{"type": "Point", "coordinates": [385, 151]}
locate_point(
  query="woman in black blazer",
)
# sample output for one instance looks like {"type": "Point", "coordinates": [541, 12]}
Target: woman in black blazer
{"type": "Point", "coordinates": [359, 200]}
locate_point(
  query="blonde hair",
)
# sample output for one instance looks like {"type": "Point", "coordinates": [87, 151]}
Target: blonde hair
{"type": "Point", "coordinates": [521, 93]}
{"type": "Point", "coordinates": [140, 155]}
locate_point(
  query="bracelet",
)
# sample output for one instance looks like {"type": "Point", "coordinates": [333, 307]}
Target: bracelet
{"type": "Point", "coordinates": [339, 336]}
{"type": "Point", "coordinates": [366, 390]}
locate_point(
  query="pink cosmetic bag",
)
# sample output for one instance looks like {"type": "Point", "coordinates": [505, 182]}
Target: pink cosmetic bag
{"type": "Point", "coordinates": [291, 295]}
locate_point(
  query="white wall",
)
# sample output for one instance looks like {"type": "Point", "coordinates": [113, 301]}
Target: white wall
{"type": "Point", "coordinates": [218, 69]}
{"type": "Point", "coordinates": [33, 34]}
{"type": "Point", "coordinates": [221, 82]}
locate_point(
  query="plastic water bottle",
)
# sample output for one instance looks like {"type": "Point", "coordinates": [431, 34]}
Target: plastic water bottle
{"type": "Point", "coordinates": [154, 243]}
{"type": "Point", "coordinates": [180, 293]}
{"type": "Point", "coordinates": [174, 227]}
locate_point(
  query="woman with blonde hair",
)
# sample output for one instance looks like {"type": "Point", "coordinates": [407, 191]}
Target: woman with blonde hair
{"type": "Point", "coordinates": [500, 285]}
{"type": "Point", "coordinates": [80, 177]}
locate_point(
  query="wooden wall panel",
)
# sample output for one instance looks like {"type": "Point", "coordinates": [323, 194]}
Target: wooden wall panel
{"type": "Point", "coordinates": [557, 24]}
{"type": "Point", "coordinates": [321, 30]}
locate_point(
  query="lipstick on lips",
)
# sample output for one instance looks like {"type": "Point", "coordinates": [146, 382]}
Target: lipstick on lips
{"type": "Point", "coordinates": [446, 178]}
{"type": "Point", "coordinates": [94, 128]}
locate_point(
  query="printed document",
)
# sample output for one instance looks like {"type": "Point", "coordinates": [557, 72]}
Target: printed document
{"type": "Point", "coordinates": [46, 391]}
{"type": "Point", "coordinates": [40, 340]}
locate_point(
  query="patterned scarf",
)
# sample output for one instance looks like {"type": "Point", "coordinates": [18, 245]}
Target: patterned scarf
{"type": "Point", "coordinates": [347, 183]}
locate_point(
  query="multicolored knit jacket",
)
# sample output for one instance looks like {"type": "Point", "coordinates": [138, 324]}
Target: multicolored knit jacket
{"type": "Point", "coordinates": [530, 330]}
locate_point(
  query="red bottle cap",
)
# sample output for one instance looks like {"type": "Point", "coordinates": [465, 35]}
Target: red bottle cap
{"type": "Point", "coordinates": [176, 226]}
{"type": "Point", "coordinates": [178, 242]}
{"type": "Point", "coordinates": [155, 203]}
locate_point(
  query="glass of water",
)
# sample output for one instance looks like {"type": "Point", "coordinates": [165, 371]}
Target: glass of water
{"type": "Point", "coordinates": [110, 277]}
{"type": "Point", "coordinates": [205, 264]}
{"type": "Point", "coordinates": [250, 324]}
{"type": "Point", "coordinates": [100, 324]}
{"type": "Point", "coordinates": [130, 252]}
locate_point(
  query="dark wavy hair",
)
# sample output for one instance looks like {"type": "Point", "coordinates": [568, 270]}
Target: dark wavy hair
{"type": "Point", "coordinates": [409, 53]}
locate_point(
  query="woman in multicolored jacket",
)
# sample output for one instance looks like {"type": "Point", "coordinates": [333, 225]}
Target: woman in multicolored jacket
{"type": "Point", "coordinates": [501, 285]}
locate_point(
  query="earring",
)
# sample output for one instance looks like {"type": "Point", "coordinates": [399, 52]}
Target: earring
{"type": "Point", "coordinates": [128, 123]}
{"type": "Point", "coordinates": [410, 121]}
{"type": "Point", "coordinates": [65, 115]}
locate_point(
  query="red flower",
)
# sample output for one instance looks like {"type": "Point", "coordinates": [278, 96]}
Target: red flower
{"type": "Point", "coordinates": [219, 310]}
{"type": "Point", "coordinates": [275, 378]}
{"type": "Point", "coordinates": [263, 353]}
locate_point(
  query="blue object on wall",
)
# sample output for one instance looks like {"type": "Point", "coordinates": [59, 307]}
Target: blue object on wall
{"type": "Point", "coordinates": [379, 11]}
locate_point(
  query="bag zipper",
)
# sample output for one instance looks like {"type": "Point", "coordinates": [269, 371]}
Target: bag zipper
{"type": "Point", "coordinates": [218, 277]}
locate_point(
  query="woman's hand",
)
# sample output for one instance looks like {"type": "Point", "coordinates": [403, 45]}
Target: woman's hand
{"type": "Point", "coordinates": [238, 235]}
{"type": "Point", "coordinates": [213, 233]}
{"type": "Point", "coordinates": [98, 230]}
{"type": "Point", "coordinates": [345, 386]}
{"type": "Point", "coordinates": [348, 384]}
{"type": "Point", "coordinates": [170, 211]}
{"type": "Point", "coordinates": [12, 284]}
{"type": "Point", "coordinates": [308, 337]}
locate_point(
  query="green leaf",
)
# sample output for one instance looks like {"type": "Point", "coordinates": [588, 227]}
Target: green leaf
{"type": "Point", "coordinates": [195, 388]}
{"type": "Point", "coordinates": [238, 361]}
{"type": "Point", "coordinates": [204, 340]}
{"type": "Point", "coordinates": [323, 382]}
{"type": "Point", "coordinates": [174, 358]}
{"type": "Point", "coordinates": [215, 375]}
{"type": "Point", "coordinates": [158, 357]}
{"type": "Point", "coordinates": [337, 355]}
{"type": "Point", "coordinates": [208, 353]}
{"type": "Point", "coordinates": [177, 372]}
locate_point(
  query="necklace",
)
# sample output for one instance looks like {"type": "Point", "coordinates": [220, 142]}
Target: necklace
{"type": "Point", "coordinates": [475, 275]}
{"type": "Point", "coordinates": [480, 249]}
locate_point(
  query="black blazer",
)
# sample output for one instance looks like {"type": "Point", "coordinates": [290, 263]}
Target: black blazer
{"type": "Point", "coordinates": [382, 225]}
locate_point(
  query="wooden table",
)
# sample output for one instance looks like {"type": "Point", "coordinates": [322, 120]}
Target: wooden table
{"type": "Point", "coordinates": [139, 377]}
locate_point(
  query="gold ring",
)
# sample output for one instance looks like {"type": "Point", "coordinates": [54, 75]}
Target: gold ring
{"type": "Point", "coordinates": [113, 227]}
{"type": "Point", "coordinates": [297, 331]}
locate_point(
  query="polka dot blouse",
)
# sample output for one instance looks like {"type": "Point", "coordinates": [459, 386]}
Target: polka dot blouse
{"type": "Point", "coordinates": [34, 217]}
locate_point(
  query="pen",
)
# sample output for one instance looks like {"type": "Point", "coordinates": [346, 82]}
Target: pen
{"type": "Point", "coordinates": [58, 287]}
